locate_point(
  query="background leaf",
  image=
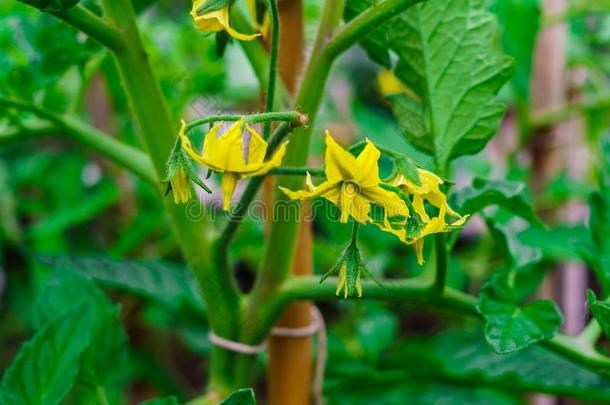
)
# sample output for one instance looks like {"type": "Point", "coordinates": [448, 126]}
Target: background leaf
{"type": "Point", "coordinates": [47, 365]}
{"type": "Point", "coordinates": [244, 396]}
{"type": "Point", "coordinates": [483, 193]}
{"type": "Point", "coordinates": [172, 286]}
{"type": "Point", "coordinates": [519, 22]}
{"type": "Point", "coordinates": [105, 355]}
{"type": "Point", "coordinates": [511, 327]}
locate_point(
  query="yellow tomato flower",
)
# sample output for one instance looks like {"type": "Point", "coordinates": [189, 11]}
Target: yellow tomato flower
{"type": "Point", "coordinates": [352, 184]}
{"type": "Point", "coordinates": [430, 191]}
{"type": "Point", "coordinates": [225, 154]}
{"type": "Point", "coordinates": [263, 27]}
{"type": "Point", "coordinates": [181, 188]}
{"type": "Point", "coordinates": [215, 21]}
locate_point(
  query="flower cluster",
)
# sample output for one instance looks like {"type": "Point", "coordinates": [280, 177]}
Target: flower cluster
{"type": "Point", "coordinates": [353, 184]}
{"type": "Point", "coordinates": [213, 16]}
{"type": "Point", "coordinates": [227, 154]}
{"type": "Point", "coordinates": [410, 204]}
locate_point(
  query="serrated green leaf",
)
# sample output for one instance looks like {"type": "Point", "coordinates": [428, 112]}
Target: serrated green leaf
{"type": "Point", "coordinates": [600, 311]}
{"type": "Point", "coordinates": [446, 55]}
{"type": "Point", "coordinates": [375, 43]}
{"type": "Point", "coordinates": [244, 396]}
{"type": "Point", "coordinates": [511, 327]}
{"type": "Point", "coordinates": [465, 357]}
{"type": "Point", "coordinates": [171, 286]}
{"type": "Point", "coordinates": [483, 193]}
{"type": "Point", "coordinates": [66, 290]}
{"type": "Point", "coordinates": [515, 252]}
{"type": "Point", "coordinates": [46, 366]}
{"type": "Point", "coordinates": [410, 116]}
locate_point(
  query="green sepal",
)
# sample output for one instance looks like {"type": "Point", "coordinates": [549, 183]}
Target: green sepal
{"type": "Point", "coordinates": [176, 160]}
{"type": "Point", "coordinates": [414, 225]}
{"type": "Point", "coordinates": [212, 5]}
{"type": "Point", "coordinates": [191, 174]}
{"type": "Point", "coordinates": [335, 268]}
{"type": "Point", "coordinates": [352, 269]}
{"type": "Point", "coordinates": [600, 311]}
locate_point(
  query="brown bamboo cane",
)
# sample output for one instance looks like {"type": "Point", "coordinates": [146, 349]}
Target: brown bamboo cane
{"type": "Point", "coordinates": [289, 371]}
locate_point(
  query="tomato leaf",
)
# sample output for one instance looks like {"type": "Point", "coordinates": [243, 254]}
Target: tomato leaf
{"type": "Point", "coordinates": [447, 57]}
{"type": "Point", "coordinates": [47, 365]}
{"type": "Point", "coordinates": [511, 327]}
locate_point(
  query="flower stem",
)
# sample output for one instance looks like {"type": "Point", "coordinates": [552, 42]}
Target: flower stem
{"type": "Point", "coordinates": [127, 156]}
{"type": "Point", "coordinates": [293, 117]}
{"type": "Point", "coordinates": [354, 233]}
{"type": "Point", "coordinates": [418, 290]}
{"type": "Point", "coordinates": [275, 44]}
{"type": "Point", "coordinates": [89, 23]}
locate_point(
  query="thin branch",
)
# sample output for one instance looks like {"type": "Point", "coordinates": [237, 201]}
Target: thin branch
{"type": "Point", "coordinates": [275, 45]}
{"type": "Point", "coordinates": [127, 156]}
{"type": "Point", "coordinates": [89, 23]}
{"type": "Point", "coordinates": [294, 117]}
{"type": "Point", "coordinates": [418, 290]}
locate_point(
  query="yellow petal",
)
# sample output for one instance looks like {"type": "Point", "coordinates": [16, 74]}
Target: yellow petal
{"type": "Point", "coordinates": [216, 21]}
{"type": "Point", "coordinates": [392, 204]}
{"type": "Point", "coordinates": [274, 161]}
{"type": "Point", "coordinates": [360, 209]}
{"type": "Point", "coordinates": [419, 250]}
{"type": "Point", "coordinates": [228, 184]}
{"type": "Point", "coordinates": [346, 200]}
{"type": "Point", "coordinates": [323, 188]}
{"type": "Point", "coordinates": [460, 221]}
{"type": "Point", "coordinates": [257, 148]}
{"type": "Point", "coordinates": [340, 164]}
{"type": "Point", "coordinates": [358, 285]}
{"type": "Point", "coordinates": [309, 183]}
{"type": "Point", "coordinates": [342, 283]}
{"type": "Point", "coordinates": [418, 206]}
{"type": "Point", "coordinates": [230, 148]}
{"type": "Point", "coordinates": [367, 169]}
{"type": "Point", "coordinates": [180, 187]}
{"type": "Point", "coordinates": [210, 155]}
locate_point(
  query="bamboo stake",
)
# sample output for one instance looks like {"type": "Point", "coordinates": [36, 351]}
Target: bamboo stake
{"type": "Point", "coordinates": [289, 372]}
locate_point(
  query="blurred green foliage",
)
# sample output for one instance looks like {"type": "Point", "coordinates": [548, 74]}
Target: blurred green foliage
{"type": "Point", "coordinates": [92, 278]}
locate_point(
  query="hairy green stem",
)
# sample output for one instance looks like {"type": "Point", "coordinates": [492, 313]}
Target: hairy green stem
{"type": "Point", "coordinates": [159, 133]}
{"type": "Point", "coordinates": [127, 156]}
{"type": "Point", "coordinates": [590, 334]}
{"type": "Point", "coordinates": [275, 45]}
{"type": "Point", "coordinates": [419, 290]}
{"type": "Point", "coordinates": [294, 117]}
{"type": "Point", "coordinates": [328, 46]}
{"type": "Point", "coordinates": [89, 23]}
